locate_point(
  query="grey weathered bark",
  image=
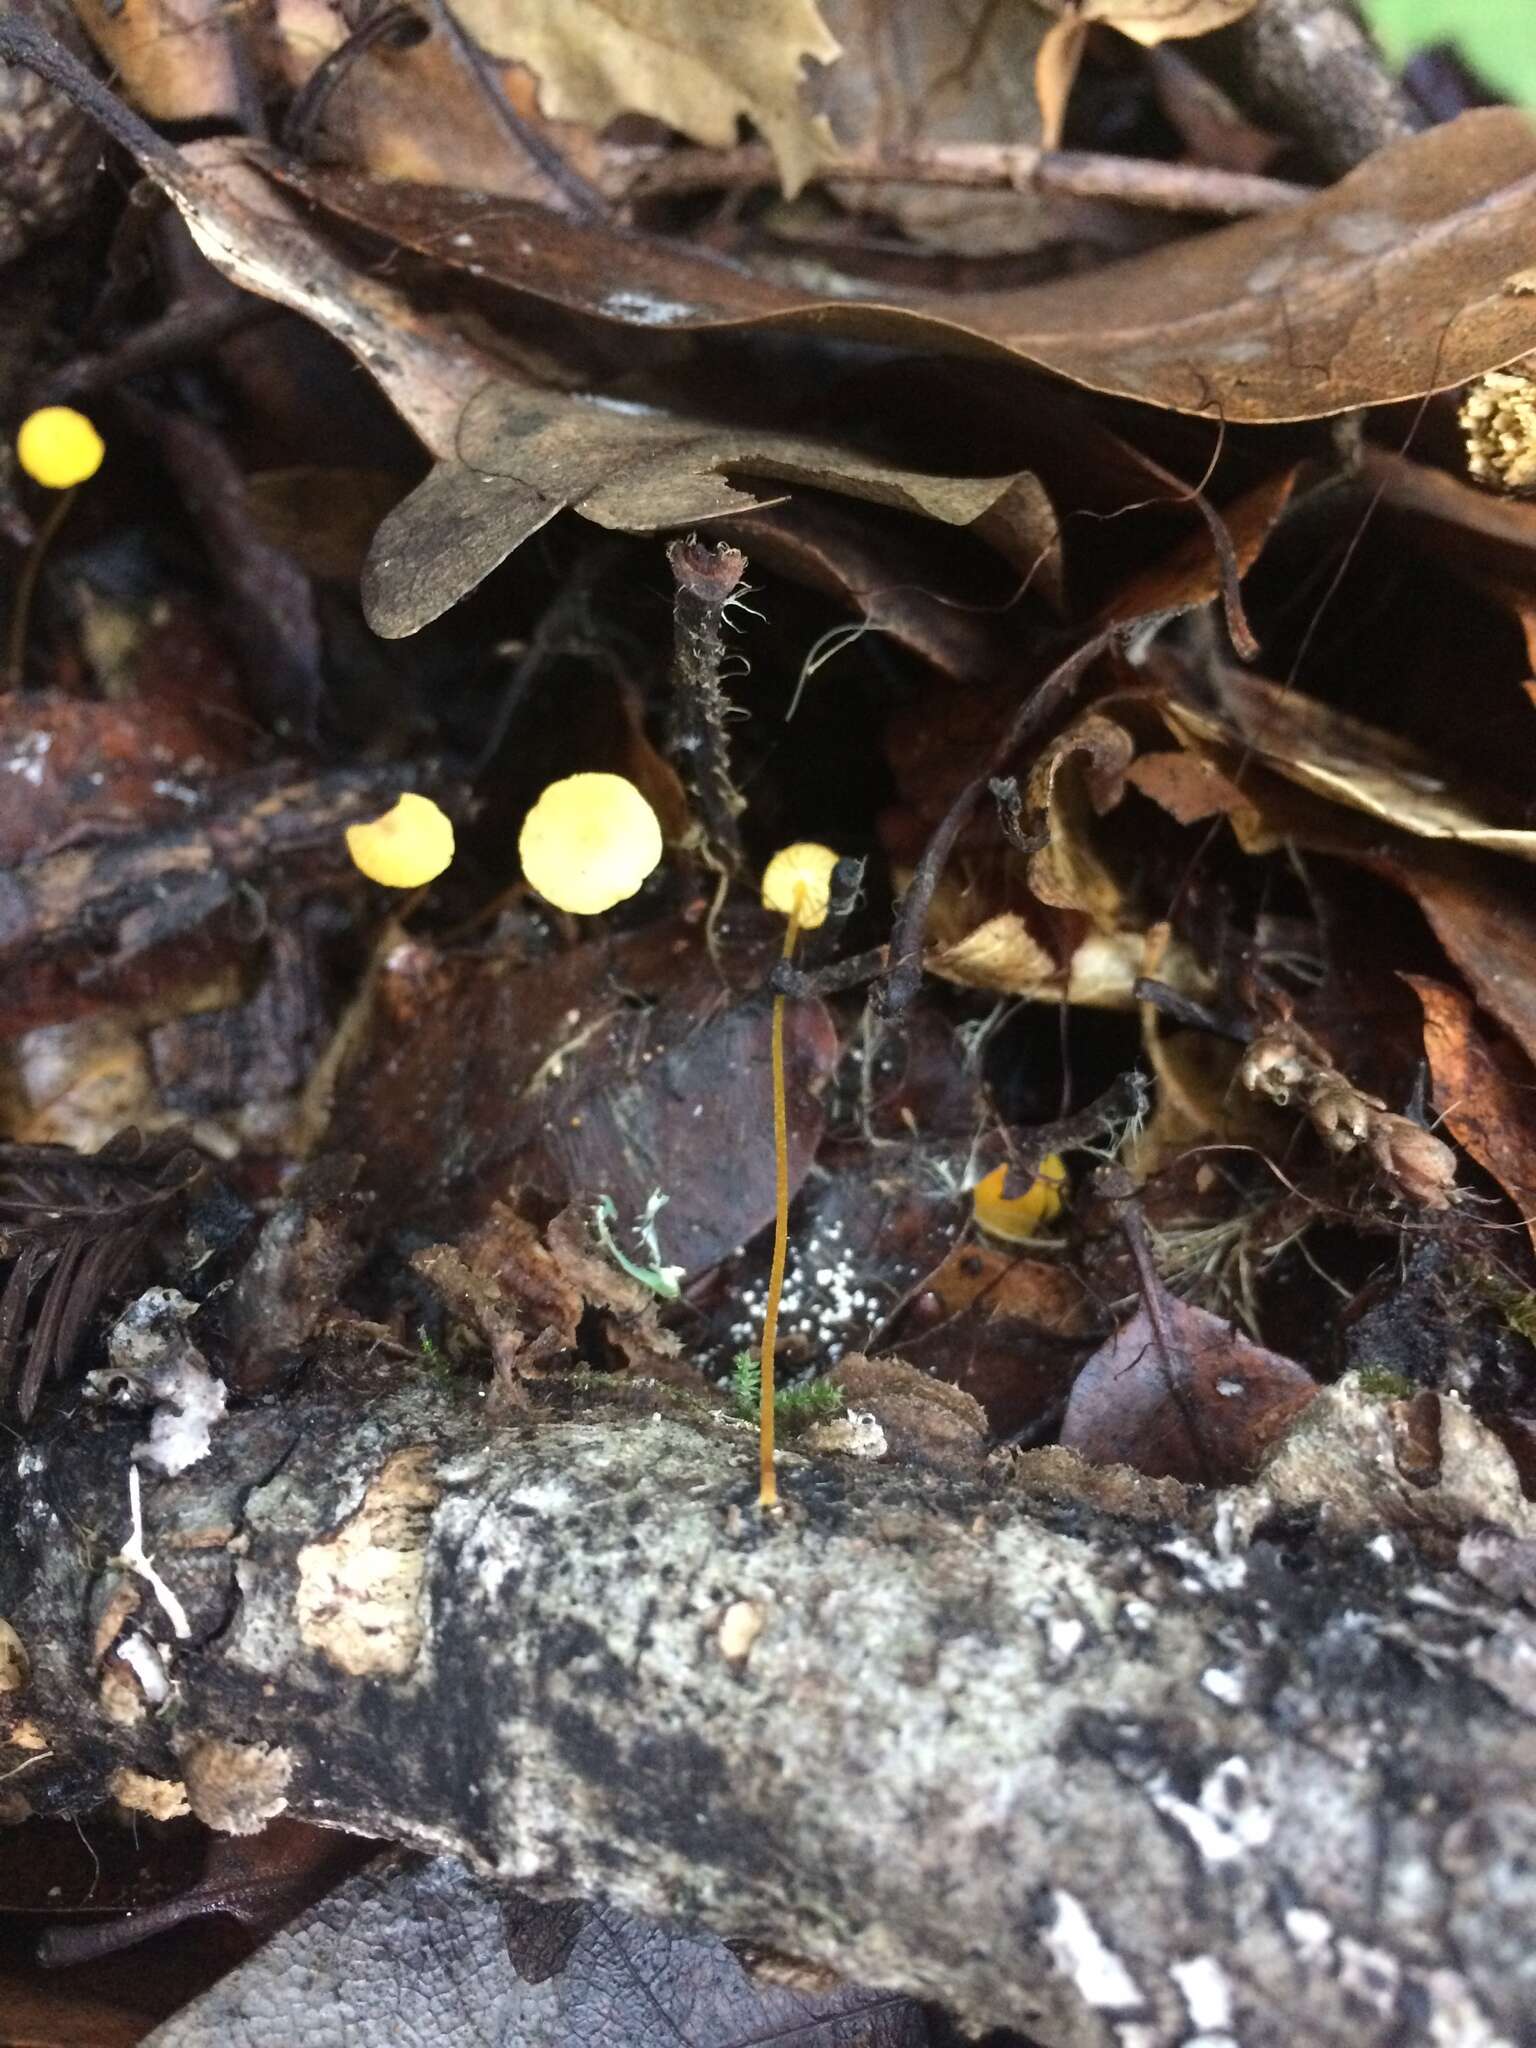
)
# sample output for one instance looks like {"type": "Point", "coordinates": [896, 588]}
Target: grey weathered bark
{"type": "Point", "coordinates": [1111, 1778]}
{"type": "Point", "coordinates": [1310, 69]}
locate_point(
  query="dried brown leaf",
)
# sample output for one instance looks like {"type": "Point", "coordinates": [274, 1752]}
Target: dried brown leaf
{"type": "Point", "coordinates": [1078, 778]}
{"type": "Point", "coordinates": [1202, 1406]}
{"type": "Point", "coordinates": [1158, 21]}
{"type": "Point", "coordinates": [1488, 1110]}
{"type": "Point", "coordinates": [1271, 319]}
{"type": "Point", "coordinates": [1341, 758]}
{"type": "Point", "coordinates": [525, 453]}
{"type": "Point", "coordinates": [175, 59]}
{"type": "Point", "coordinates": [1056, 67]}
{"type": "Point", "coordinates": [699, 69]}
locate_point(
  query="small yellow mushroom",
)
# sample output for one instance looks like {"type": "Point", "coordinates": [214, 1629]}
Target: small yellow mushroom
{"type": "Point", "coordinates": [59, 447]}
{"type": "Point", "coordinates": [797, 882]}
{"type": "Point", "coordinates": [409, 845]}
{"type": "Point", "coordinates": [589, 842]}
{"type": "Point", "coordinates": [1017, 1218]}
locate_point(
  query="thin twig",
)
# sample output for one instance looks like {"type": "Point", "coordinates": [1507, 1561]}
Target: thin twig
{"type": "Point", "coordinates": [568, 184]}
{"type": "Point", "coordinates": [182, 333]}
{"type": "Point", "coordinates": [632, 173]}
{"type": "Point", "coordinates": [395, 26]}
{"type": "Point", "coordinates": [906, 971]}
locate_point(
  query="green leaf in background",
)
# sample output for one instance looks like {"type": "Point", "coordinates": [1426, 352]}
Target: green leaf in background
{"type": "Point", "coordinates": [1496, 37]}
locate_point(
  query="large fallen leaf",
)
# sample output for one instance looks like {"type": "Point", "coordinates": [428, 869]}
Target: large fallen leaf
{"type": "Point", "coordinates": [526, 452]}
{"type": "Point", "coordinates": [699, 68]}
{"type": "Point", "coordinates": [584, 1074]}
{"type": "Point", "coordinates": [1489, 1111]}
{"type": "Point", "coordinates": [1400, 279]}
{"type": "Point", "coordinates": [1180, 1394]}
{"type": "Point", "coordinates": [514, 453]}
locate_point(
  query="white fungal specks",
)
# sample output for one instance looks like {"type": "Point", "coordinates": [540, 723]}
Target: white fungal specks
{"type": "Point", "coordinates": [823, 1300]}
{"type": "Point", "coordinates": [1205, 1991]}
{"type": "Point", "coordinates": [1079, 1953]}
{"type": "Point", "coordinates": [1312, 1934]}
{"type": "Point", "coordinates": [1205, 1567]}
{"type": "Point", "coordinates": [1065, 1637]}
{"type": "Point", "coordinates": [1226, 1686]}
{"type": "Point", "coordinates": [646, 309]}
{"type": "Point", "coordinates": [1225, 1821]}
{"type": "Point", "coordinates": [28, 756]}
{"type": "Point", "coordinates": [144, 1661]}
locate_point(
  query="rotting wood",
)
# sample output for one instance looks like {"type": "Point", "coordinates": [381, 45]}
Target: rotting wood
{"type": "Point", "coordinates": [988, 1744]}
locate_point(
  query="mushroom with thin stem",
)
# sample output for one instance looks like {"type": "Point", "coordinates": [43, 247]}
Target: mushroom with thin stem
{"type": "Point", "coordinates": [589, 842]}
{"type": "Point", "coordinates": [411, 844]}
{"type": "Point", "coordinates": [797, 883]}
{"type": "Point", "coordinates": [60, 449]}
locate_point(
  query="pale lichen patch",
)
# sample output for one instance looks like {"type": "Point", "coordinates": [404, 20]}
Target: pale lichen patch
{"type": "Point", "coordinates": [160, 1798]}
{"type": "Point", "coordinates": [360, 1595]}
{"type": "Point", "coordinates": [237, 1787]}
{"type": "Point", "coordinates": [15, 1669]}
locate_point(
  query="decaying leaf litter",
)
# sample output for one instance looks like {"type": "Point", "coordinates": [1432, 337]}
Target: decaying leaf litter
{"type": "Point", "coordinates": [1119, 561]}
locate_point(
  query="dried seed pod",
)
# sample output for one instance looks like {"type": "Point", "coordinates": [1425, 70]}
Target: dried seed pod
{"type": "Point", "coordinates": [1498, 417]}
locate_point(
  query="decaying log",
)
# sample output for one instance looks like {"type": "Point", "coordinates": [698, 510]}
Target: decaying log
{"type": "Point", "coordinates": [1052, 1747]}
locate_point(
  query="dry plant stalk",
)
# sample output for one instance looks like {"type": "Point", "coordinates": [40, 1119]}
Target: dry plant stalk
{"type": "Point", "coordinates": [1286, 1064]}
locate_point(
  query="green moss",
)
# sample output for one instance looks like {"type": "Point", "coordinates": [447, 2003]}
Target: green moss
{"type": "Point", "coordinates": [793, 1407]}
{"type": "Point", "coordinates": [1384, 1384]}
{"type": "Point", "coordinates": [1513, 1304]}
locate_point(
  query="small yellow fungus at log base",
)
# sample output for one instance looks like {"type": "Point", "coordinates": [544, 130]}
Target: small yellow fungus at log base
{"type": "Point", "coordinates": [797, 883]}
{"type": "Point", "coordinates": [589, 842]}
{"type": "Point", "coordinates": [409, 845]}
{"type": "Point", "coordinates": [1017, 1218]}
{"type": "Point", "coordinates": [59, 447]}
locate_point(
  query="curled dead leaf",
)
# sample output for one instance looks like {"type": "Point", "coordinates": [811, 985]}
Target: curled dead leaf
{"type": "Point", "coordinates": [1158, 21]}
{"type": "Point", "coordinates": [1490, 1111]}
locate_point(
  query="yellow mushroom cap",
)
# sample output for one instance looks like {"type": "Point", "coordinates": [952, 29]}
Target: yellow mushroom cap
{"type": "Point", "coordinates": [409, 845]}
{"type": "Point", "coordinates": [589, 842]}
{"type": "Point", "coordinates": [59, 447]}
{"type": "Point", "coordinates": [800, 874]}
{"type": "Point", "coordinates": [1018, 1217]}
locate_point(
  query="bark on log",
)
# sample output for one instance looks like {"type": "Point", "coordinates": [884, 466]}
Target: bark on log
{"type": "Point", "coordinates": [1311, 68]}
{"type": "Point", "coordinates": [1110, 1779]}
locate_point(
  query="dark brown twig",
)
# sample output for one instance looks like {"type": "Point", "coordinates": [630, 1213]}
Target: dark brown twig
{"type": "Point", "coordinates": [395, 26]}
{"type": "Point", "coordinates": [183, 332]}
{"type": "Point", "coordinates": [21, 42]}
{"type": "Point", "coordinates": [1044, 703]}
{"type": "Point", "coordinates": [567, 184]}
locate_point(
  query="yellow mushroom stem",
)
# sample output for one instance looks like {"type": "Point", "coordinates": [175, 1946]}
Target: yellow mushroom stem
{"type": "Point", "coordinates": [767, 1479]}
